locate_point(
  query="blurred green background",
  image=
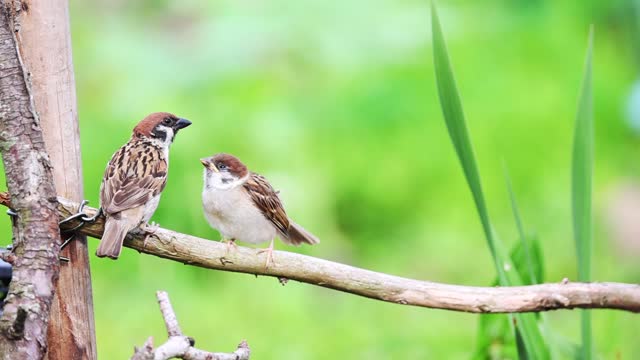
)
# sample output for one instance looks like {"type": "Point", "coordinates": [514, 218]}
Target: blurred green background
{"type": "Point", "coordinates": [335, 103]}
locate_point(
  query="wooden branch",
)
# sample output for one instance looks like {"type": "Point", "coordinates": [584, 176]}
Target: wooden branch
{"type": "Point", "coordinates": [44, 41]}
{"type": "Point", "coordinates": [209, 254]}
{"type": "Point", "coordinates": [169, 316]}
{"type": "Point", "coordinates": [180, 346]}
{"type": "Point", "coordinates": [35, 228]}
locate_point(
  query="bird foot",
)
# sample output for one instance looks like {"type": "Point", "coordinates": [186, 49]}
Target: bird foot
{"type": "Point", "coordinates": [150, 228]}
{"type": "Point", "coordinates": [269, 251]}
{"type": "Point", "coordinates": [230, 243]}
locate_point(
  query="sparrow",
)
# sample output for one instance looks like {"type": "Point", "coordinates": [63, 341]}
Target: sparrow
{"type": "Point", "coordinates": [134, 179]}
{"type": "Point", "coordinates": [243, 206]}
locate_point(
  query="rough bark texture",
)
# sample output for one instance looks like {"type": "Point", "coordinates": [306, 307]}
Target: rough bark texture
{"type": "Point", "coordinates": [180, 346]}
{"type": "Point", "coordinates": [209, 254]}
{"type": "Point", "coordinates": [44, 41]}
{"type": "Point", "coordinates": [29, 179]}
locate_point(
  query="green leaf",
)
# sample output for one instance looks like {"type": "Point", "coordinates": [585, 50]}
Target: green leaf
{"type": "Point", "coordinates": [582, 173]}
{"type": "Point", "coordinates": [495, 339]}
{"type": "Point", "coordinates": [521, 346]}
{"type": "Point", "coordinates": [527, 256]}
{"type": "Point", "coordinates": [454, 118]}
{"type": "Point", "coordinates": [562, 347]}
{"type": "Point", "coordinates": [495, 334]}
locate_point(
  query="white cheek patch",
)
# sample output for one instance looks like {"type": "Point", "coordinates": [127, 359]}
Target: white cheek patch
{"type": "Point", "coordinates": [212, 179]}
{"type": "Point", "coordinates": [220, 181]}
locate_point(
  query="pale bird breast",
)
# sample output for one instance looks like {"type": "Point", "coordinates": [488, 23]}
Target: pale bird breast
{"type": "Point", "coordinates": [223, 203]}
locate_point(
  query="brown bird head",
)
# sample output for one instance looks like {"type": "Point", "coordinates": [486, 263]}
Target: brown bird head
{"type": "Point", "coordinates": [225, 164]}
{"type": "Point", "coordinates": [161, 125]}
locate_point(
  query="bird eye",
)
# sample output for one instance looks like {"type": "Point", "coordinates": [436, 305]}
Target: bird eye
{"type": "Point", "coordinates": [222, 166]}
{"type": "Point", "coordinates": [166, 121]}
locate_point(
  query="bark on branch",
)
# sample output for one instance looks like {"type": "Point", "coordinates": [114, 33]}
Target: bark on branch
{"type": "Point", "coordinates": [180, 346]}
{"type": "Point", "coordinates": [209, 254]}
{"type": "Point", "coordinates": [29, 179]}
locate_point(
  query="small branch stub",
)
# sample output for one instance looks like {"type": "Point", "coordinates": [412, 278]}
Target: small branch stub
{"type": "Point", "coordinates": [180, 346]}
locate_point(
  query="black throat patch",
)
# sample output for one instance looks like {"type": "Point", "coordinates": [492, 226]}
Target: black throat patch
{"type": "Point", "coordinates": [159, 134]}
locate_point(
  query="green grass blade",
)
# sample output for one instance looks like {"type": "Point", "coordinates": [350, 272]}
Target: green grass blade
{"type": "Point", "coordinates": [528, 256]}
{"type": "Point", "coordinates": [527, 259]}
{"type": "Point", "coordinates": [496, 337]}
{"type": "Point", "coordinates": [456, 125]}
{"type": "Point", "coordinates": [454, 118]}
{"type": "Point", "coordinates": [582, 173]}
{"type": "Point", "coordinates": [521, 346]}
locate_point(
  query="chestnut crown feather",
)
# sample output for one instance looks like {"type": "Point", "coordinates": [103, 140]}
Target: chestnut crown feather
{"type": "Point", "coordinates": [146, 126]}
{"type": "Point", "coordinates": [230, 163]}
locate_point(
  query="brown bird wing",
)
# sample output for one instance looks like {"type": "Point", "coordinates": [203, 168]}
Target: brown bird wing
{"type": "Point", "coordinates": [136, 173]}
{"type": "Point", "coordinates": [266, 199]}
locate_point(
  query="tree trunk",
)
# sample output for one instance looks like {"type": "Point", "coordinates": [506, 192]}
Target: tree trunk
{"type": "Point", "coordinates": [44, 41]}
{"type": "Point", "coordinates": [29, 179]}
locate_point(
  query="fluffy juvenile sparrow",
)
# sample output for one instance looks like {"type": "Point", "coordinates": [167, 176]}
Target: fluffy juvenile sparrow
{"type": "Point", "coordinates": [134, 179]}
{"type": "Point", "coordinates": [243, 206]}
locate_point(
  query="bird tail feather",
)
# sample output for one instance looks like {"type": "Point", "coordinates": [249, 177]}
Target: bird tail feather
{"type": "Point", "coordinates": [298, 235]}
{"type": "Point", "coordinates": [112, 238]}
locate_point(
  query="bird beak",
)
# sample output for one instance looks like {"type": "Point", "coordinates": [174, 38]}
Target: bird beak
{"type": "Point", "coordinates": [209, 165]}
{"type": "Point", "coordinates": [182, 123]}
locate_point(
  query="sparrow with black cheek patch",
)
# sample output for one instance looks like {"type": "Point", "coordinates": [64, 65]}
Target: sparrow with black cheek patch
{"type": "Point", "coordinates": [243, 206]}
{"type": "Point", "coordinates": [134, 179]}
